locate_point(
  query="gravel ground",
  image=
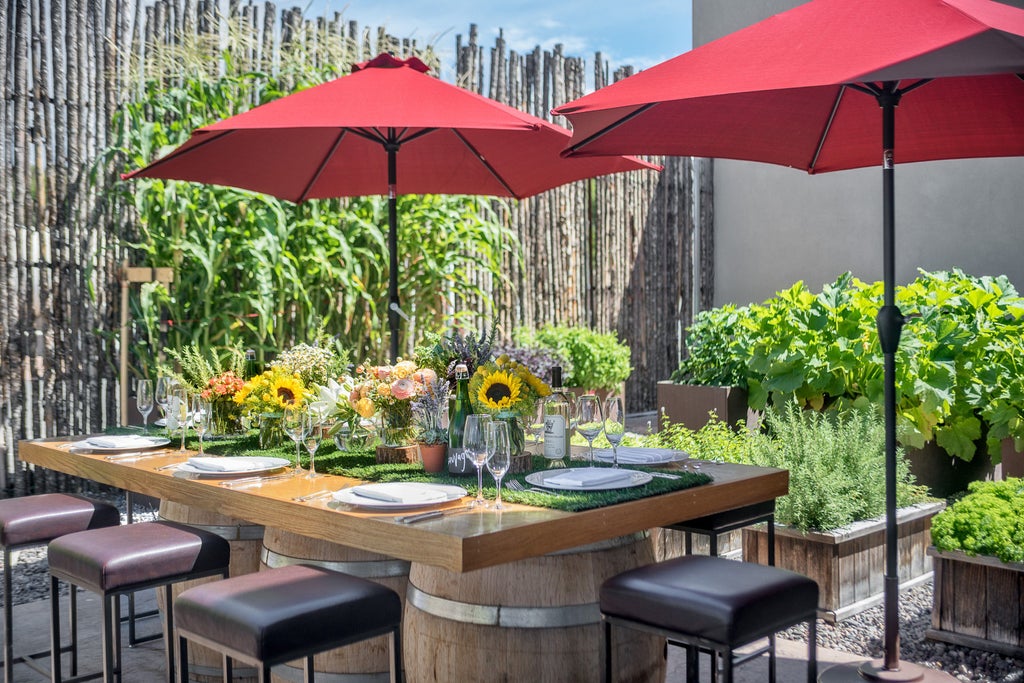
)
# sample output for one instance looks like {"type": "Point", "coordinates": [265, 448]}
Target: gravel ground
{"type": "Point", "coordinates": [860, 635]}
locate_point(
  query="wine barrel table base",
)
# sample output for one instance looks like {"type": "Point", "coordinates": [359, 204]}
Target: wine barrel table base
{"type": "Point", "coordinates": [367, 661]}
{"type": "Point", "coordinates": [246, 540]}
{"type": "Point", "coordinates": [535, 619]}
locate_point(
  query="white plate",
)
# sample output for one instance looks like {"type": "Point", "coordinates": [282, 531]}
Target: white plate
{"type": "Point", "coordinates": [641, 456]}
{"type": "Point", "coordinates": [138, 443]}
{"type": "Point", "coordinates": [245, 465]}
{"type": "Point", "coordinates": [544, 477]}
{"type": "Point", "coordinates": [431, 494]}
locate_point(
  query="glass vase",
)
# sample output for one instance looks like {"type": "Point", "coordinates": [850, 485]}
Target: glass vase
{"type": "Point", "coordinates": [516, 434]}
{"type": "Point", "coordinates": [226, 418]}
{"type": "Point", "coordinates": [397, 426]}
{"type": "Point", "coordinates": [271, 430]}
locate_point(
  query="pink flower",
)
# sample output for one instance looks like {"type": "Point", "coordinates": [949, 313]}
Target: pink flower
{"type": "Point", "coordinates": [424, 376]}
{"type": "Point", "coordinates": [403, 389]}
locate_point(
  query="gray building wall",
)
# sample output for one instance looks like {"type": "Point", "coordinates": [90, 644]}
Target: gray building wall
{"type": "Point", "coordinates": [774, 226]}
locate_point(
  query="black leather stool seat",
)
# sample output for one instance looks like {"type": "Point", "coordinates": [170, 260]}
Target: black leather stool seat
{"type": "Point", "coordinates": [279, 615]}
{"type": "Point", "coordinates": [711, 603]}
{"type": "Point", "coordinates": [106, 560]}
{"type": "Point", "coordinates": [34, 520]}
{"type": "Point", "coordinates": [44, 517]}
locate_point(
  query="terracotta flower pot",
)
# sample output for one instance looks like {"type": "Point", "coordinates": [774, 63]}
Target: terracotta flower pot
{"type": "Point", "coordinates": [433, 456]}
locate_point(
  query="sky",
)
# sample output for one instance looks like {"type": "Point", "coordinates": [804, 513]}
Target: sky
{"type": "Point", "coordinates": [641, 33]}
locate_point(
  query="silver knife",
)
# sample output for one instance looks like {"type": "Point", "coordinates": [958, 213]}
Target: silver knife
{"type": "Point", "coordinates": [136, 455]}
{"type": "Point", "coordinates": [433, 514]}
{"type": "Point", "coordinates": [252, 482]}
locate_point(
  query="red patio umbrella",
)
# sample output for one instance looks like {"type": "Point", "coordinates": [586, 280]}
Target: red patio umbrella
{"type": "Point", "coordinates": [351, 137]}
{"type": "Point", "coordinates": [817, 88]}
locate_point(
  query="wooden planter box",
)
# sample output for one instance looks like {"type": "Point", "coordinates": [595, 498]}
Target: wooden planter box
{"type": "Point", "coordinates": [978, 602]}
{"type": "Point", "coordinates": [690, 404]}
{"type": "Point", "coordinates": [849, 563]}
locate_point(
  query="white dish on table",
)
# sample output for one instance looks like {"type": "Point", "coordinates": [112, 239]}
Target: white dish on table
{"type": "Point", "coordinates": [588, 479]}
{"type": "Point", "coordinates": [399, 495]}
{"type": "Point", "coordinates": [218, 467]}
{"type": "Point", "coordinates": [630, 455]}
{"type": "Point", "coordinates": [120, 443]}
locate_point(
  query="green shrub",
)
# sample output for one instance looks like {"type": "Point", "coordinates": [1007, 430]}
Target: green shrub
{"type": "Point", "coordinates": [599, 360]}
{"type": "Point", "coordinates": [836, 466]}
{"type": "Point", "coordinates": [718, 347]}
{"type": "Point", "coordinates": [989, 520]}
{"type": "Point", "coordinates": [714, 441]}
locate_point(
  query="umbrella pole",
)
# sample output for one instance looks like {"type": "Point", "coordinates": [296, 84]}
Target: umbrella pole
{"type": "Point", "coordinates": [890, 326]}
{"type": "Point", "coordinates": [393, 303]}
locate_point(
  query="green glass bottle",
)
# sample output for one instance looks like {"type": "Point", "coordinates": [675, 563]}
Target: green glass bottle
{"type": "Point", "coordinates": [457, 424]}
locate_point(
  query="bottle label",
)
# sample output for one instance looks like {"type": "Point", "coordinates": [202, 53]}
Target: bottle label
{"type": "Point", "coordinates": [554, 437]}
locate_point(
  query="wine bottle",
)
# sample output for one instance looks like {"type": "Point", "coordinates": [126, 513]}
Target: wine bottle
{"type": "Point", "coordinates": [557, 409]}
{"type": "Point", "coordinates": [457, 423]}
{"type": "Point", "coordinates": [251, 368]}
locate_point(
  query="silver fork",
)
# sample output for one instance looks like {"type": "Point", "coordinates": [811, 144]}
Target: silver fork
{"type": "Point", "coordinates": [514, 485]}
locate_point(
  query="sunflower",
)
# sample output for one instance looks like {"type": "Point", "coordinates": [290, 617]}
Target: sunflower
{"type": "Point", "coordinates": [286, 391]}
{"type": "Point", "coordinates": [499, 389]}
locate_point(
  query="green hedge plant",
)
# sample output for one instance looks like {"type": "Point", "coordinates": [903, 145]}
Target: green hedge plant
{"type": "Point", "coordinates": [989, 520]}
{"type": "Point", "coordinates": [598, 359]}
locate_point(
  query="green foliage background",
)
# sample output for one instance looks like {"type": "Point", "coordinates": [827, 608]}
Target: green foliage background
{"type": "Point", "coordinates": [989, 520]}
{"type": "Point", "coordinates": [265, 273]}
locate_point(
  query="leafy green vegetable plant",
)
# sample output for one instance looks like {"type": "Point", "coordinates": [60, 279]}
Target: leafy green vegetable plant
{"type": "Point", "coordinates": [599, 360]}
{"type": "Point", "coordinates": [989, 520]}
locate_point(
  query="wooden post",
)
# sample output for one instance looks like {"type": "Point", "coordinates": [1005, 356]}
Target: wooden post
{"type": "Point", "coordinates": [129, 275]}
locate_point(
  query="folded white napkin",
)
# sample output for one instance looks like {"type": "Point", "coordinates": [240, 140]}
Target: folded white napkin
{"type": "Point", "coordinates": [588, 476]}
{"type": "Point", "coordinates": [228, 464]}
{"type": "Point", "coordinates": [120, 441]}
{"type": "Point", "coordinates": [637, 456]}
{"type": "Point", "coordinates": [400, 493]}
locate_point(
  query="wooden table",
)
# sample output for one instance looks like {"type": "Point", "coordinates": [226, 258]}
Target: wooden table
{"type": "Point", "coordinates": [529, 574]}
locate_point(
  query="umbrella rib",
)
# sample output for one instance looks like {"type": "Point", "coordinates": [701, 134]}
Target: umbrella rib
{"type": "Point", "coordinates": [321, 166]}
{"type": "Point", "coordinates": [159, 162]}
{"type": "Point", "coordinates": [827, 128]}
{"type": "Point", "coordinates": [607, 129]}
{"type": "Point", "coordinates": [484, 161]}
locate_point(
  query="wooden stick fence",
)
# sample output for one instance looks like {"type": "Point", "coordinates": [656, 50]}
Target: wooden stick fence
{"type": "Point", "coordinates": [614, 253]}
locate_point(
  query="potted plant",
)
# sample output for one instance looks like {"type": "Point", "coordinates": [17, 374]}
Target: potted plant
{"type": "Point", "coordinates": [430, 409]}
{"type": "Point", "coordinates": [597, 361]}
{"type": "Point", "coordinates": [978, 553]}
{"type": "Point", "coordinates": [831, 525]}
{"type": "Point", "coordinates": [711, 381]}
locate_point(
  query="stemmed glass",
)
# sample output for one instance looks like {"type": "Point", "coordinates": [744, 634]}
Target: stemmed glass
{"type": "Point", "coordinates": [161, 394]}
{"type": "Point", "coordinates": [589, 420]}
{"type": "Point", "coordinates": [144, 401]}
{"type": "Point", "coordinates": [474, 447]}
{"type": "Point", "coordinates": [536, 424]}
{"type": "Point", "coordinates": [614, 425]}
{"type": "Point", "coordinates": [311, 439]}
{"type": "Point", "coordinates": [294, 424]}
{"type": "Point", "coordinates": [202, 413]}
{"type": "Point", "coordinates": [499, 455]}
{"type": "Point", "coordinates": [177, 404]}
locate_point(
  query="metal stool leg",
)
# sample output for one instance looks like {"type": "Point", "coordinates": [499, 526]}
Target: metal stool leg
{"type": "Point", "coordinates": [606, 651]}
{"type": "Point", "coordinates": [183, 661]}
{"type": "Point", "coordinates": [397, 674]}
{"type": "Point", "coordinates": [8, 619]}
{"type": "Point", "coordinates": [771, 658]}
{"type": "Point", "coordinates": [55, 629]}
{"type": "Point", "coordinates": [169, 631]}
{"type": "Point", "coordinates": [108, 639]}
{"type": "Point", "coordinates": [812, 650]}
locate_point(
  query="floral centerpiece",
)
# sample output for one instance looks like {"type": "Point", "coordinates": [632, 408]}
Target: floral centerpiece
{"type": "Point", "coordinates": [265, 397]}
{"type": "Point", "coordinates": [220, 392]}
{"type": "Point", "coordinates": [313, 364]}
{"type": "Point", "coordinates": [509, 391]}
{"type": "Point", "coordinates": [389, 390]}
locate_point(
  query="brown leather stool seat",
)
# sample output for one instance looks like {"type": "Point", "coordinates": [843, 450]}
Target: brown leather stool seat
{"type": "Point", "coordinates": [34, 520]}
{"type": "Point", "coordinates": [121, 560]}
{"type": "Point", "coordinates": [275, 616]}
{"type": "Point", "coordinates": [711, 604]}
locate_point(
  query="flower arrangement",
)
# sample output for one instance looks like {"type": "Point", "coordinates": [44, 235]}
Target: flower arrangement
{"type": "Point", "coordinates": [441, 353]}
{"type": "Point", "coordinates": [313, 364]}
{"type": "Point", "coordinates": [429, 409]}
{"type": "Point", "coordinates": [506, 385]}
{"type": "Point", "coordinates": [390, 390]}
{"type": "Point", "coordinates": [220, 392]}
{"type": "Point", "coordinates": [271, 392]}
{"type": "Point", "coordinates": [196, 368]}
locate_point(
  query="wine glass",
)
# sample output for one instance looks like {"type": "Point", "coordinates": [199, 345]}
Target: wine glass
{"type": "Point", "coordinates": [144, 401]}
{"type": "Point", "coordinates": [474, 447]}
{"type": "Point", "coordinates": [202, 415]}
{"type": "Point", "coordinates": [311, 439]}
{"type": "Point", "coordinates": [614, 424]}
{"type": "Point", "coordinates": [499, 455]}
{"type": "Point", "coordinates": [177, 404]}
{"type": "Point", "coordinates": [589, 420]}
{"type": "Point", "coordinates": [535, 424]}
{"type": "Point", "coordinates": [161, 394]}
{"type": "Point", "coordinates": [294, 424]}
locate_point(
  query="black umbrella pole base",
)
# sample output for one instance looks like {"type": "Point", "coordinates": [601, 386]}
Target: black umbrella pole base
{"type": "Point", "coordinates": [876, 671]}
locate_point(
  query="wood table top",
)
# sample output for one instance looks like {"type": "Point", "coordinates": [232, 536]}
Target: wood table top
{"type": "Point", "coordinates": [461, 542]}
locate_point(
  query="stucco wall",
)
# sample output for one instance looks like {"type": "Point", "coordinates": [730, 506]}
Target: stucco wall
{"type": "Point", "coordinates": [774, 226]}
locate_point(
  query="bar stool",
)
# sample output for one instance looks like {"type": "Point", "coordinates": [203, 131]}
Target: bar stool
{"type": "Point", "coordinates": [709, 603]}
{"type": "Point", "coordinates": [279, 615]}
{"type": "Point", "coordinates": [35, 520]}
{"type": "Point", "coordinates": [120, 560]}
{"type": "Point", "coordinates": [730, 520]}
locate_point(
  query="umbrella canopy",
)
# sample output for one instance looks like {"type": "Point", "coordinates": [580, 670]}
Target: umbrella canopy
{"type": "Point", "coordinates": [818, 88]}
{"type": "Point", "coordinates": [387, 128]}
